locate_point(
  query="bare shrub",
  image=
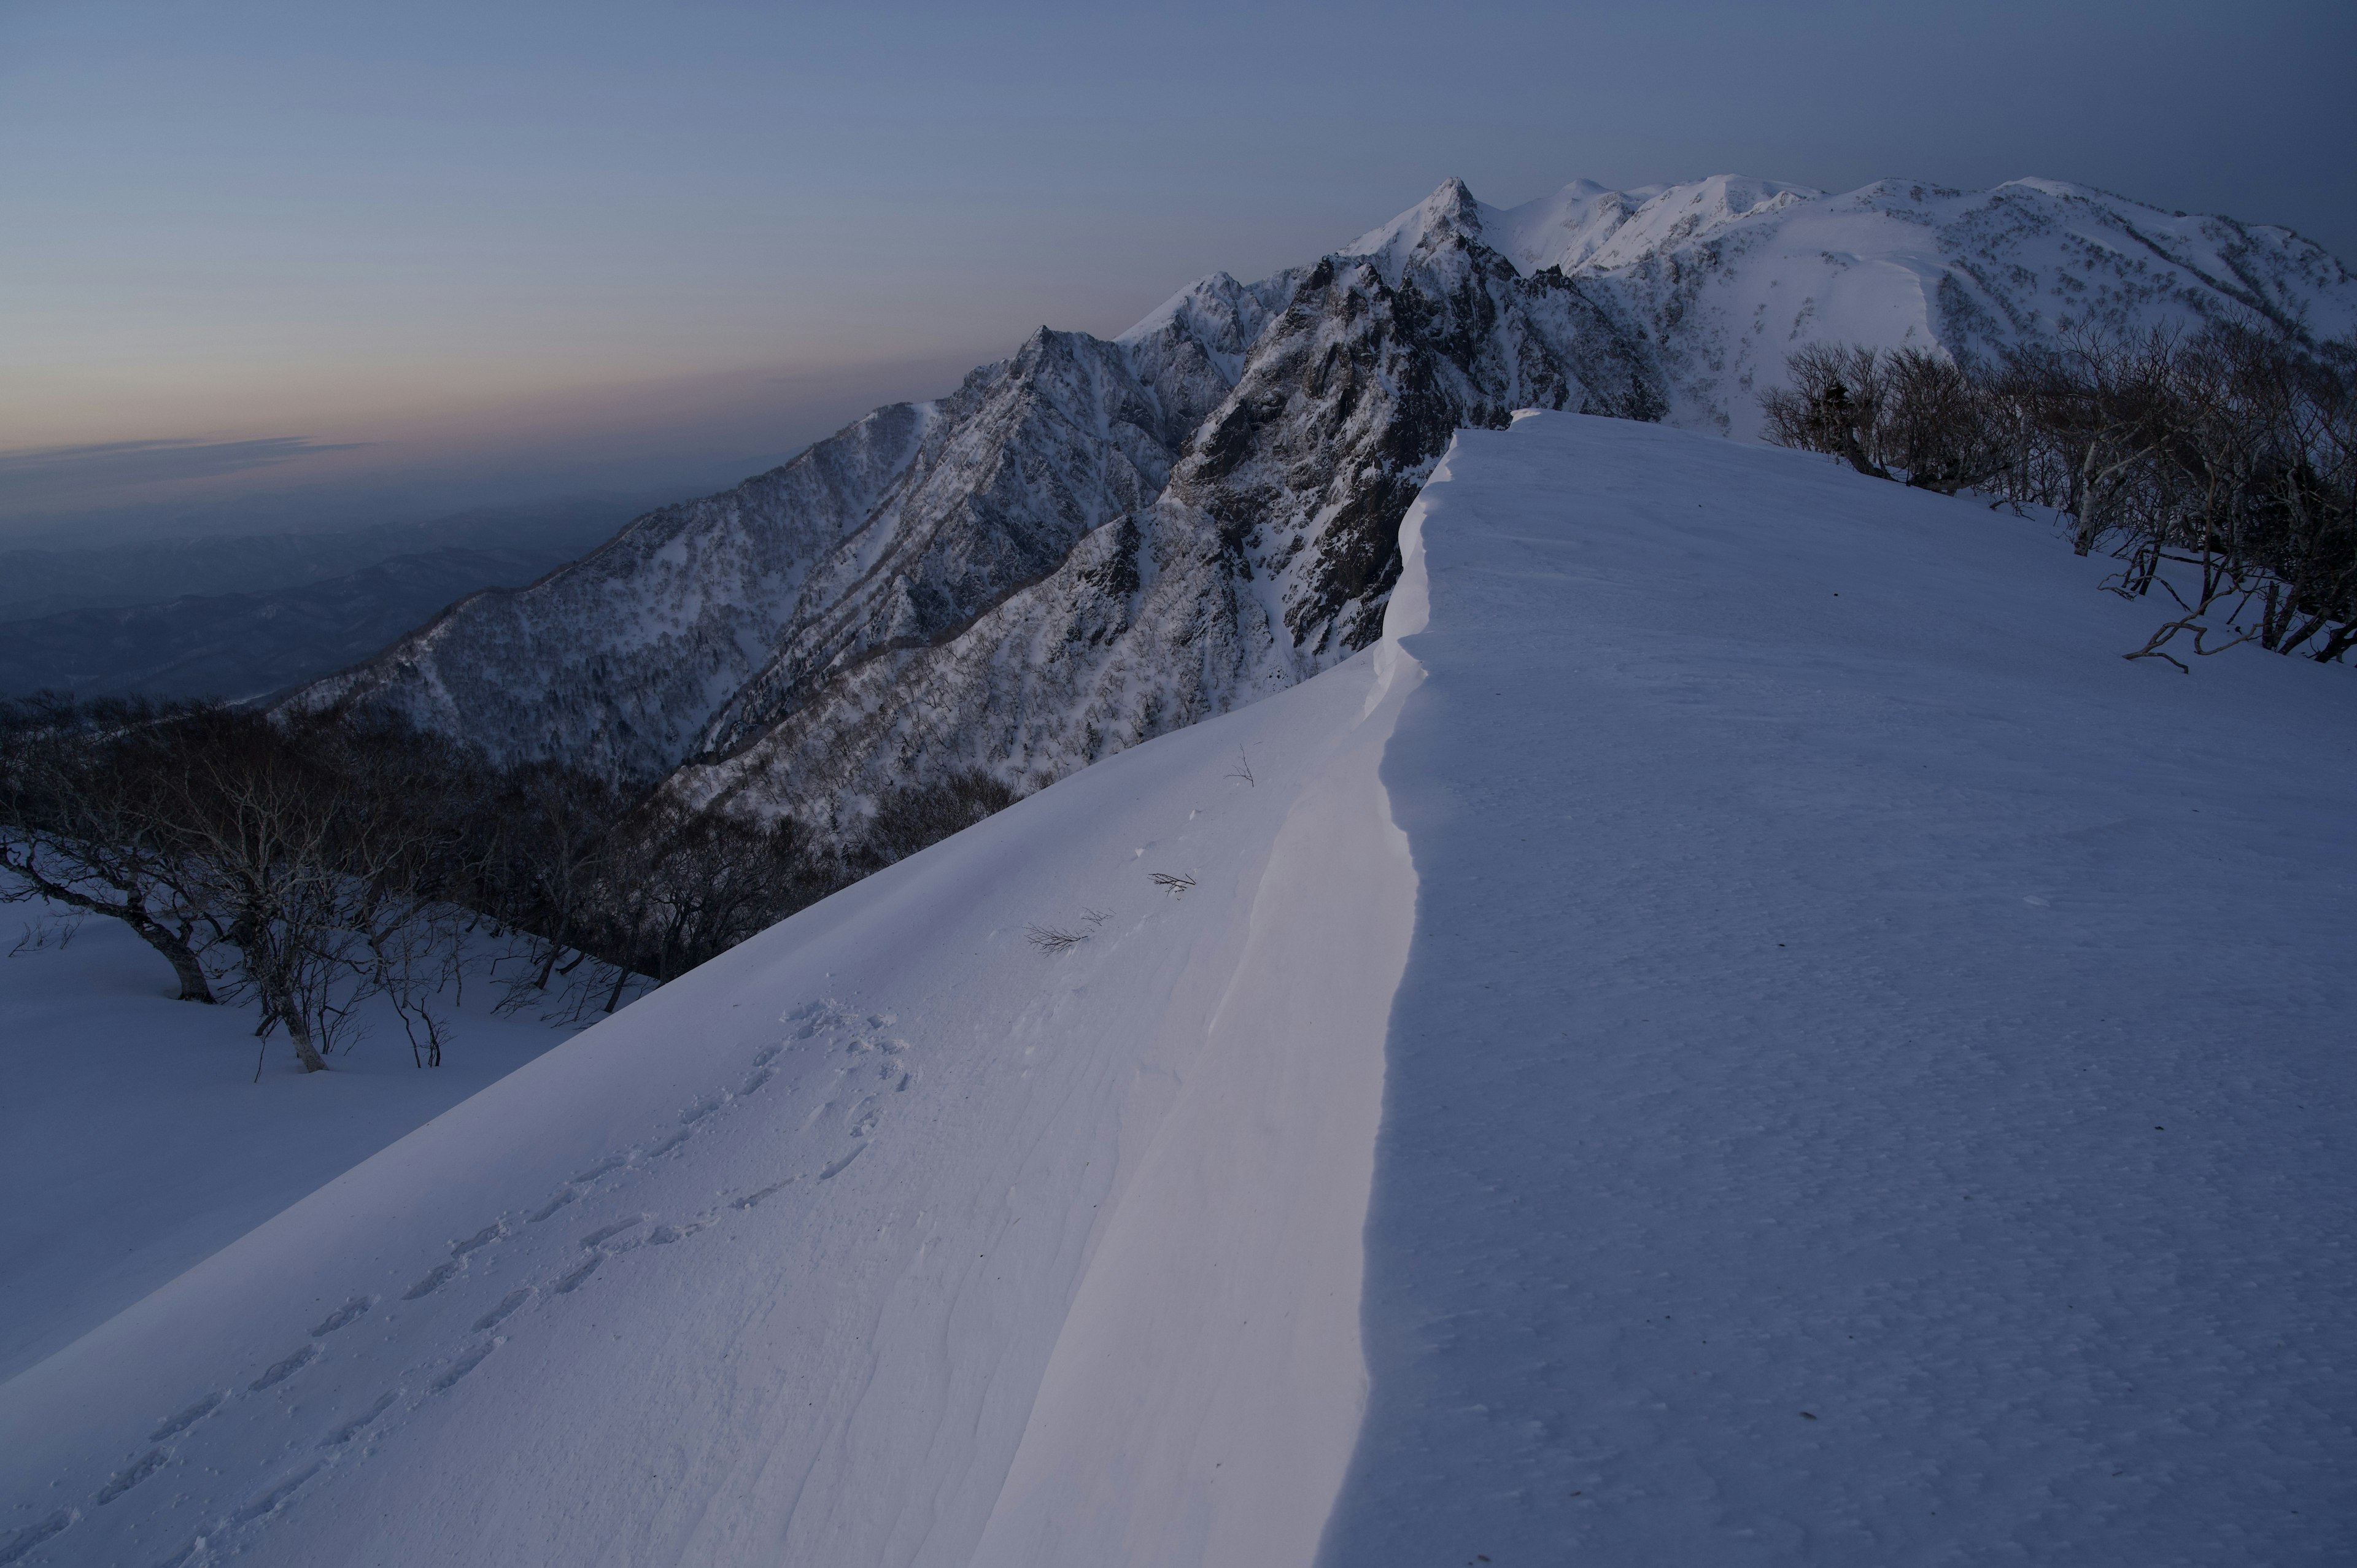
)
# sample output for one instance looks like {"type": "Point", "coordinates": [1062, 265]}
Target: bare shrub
{"type": "Point", "coordinates": [2220, 467]}
{"type": "Point", "coordinates": [1053, 939]}
{"type": "Point", "coordinates": [1908, 414]}
{"type": "Point", "coordinates": [319, 865]}
{"type": "Point", "coordinates": [1834, 405]}
{"type": "Point", "coordinates": [1063, 938]}
{"type": "Point", "coordinates": [917, 818]}
{"type": "Point", "coordinates": [81, 822]}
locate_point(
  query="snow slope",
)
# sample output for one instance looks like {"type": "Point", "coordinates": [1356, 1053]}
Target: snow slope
{"type": "Point", "coordinates": [135, 1141]}
{"type": "Point", "coordinates": [1872, 1081]}
{"type": "Point", "coordinates": [1721, 278]}
{"type": "Point", "coordinates": [1832, 1065]}
{"type": "Point", "coordinates": [871, 1241]}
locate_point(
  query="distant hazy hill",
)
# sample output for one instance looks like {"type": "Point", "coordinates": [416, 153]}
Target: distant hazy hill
{"type": "Point", "coordinates": [244, 645]}
{"type": "Point", "coordinates": [44, 581]}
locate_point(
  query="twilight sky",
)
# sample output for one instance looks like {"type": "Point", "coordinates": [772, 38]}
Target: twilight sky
{"type": "Point", "coordinates": [267, 265]}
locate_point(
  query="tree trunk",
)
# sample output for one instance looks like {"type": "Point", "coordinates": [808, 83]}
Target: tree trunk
{"type": "Point", "coordinates": [194, 986]}
{"type": "Point", "coordinates": [300, 1033]}
{"type": "Point", "coordinates": [132, 912]}
{"type": "Point", "coordinates": [278, 1005]}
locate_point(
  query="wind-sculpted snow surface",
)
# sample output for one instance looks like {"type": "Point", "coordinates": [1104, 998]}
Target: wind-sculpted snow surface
{"type": "Point", "coordinates": [1853, 1074]}
{"type": "Point", "coordinates": [1871, 1080]}
{"type": "Point", "coordinates": [868, 1242]}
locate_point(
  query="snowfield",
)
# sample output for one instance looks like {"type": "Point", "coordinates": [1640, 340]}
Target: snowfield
{"type": "Point", "coordinates": [135, 1141]}
{"type": "Point", "coordinates": [1873, 1078]}
{"type": "Point", "coordinates": [855, 1247]}
{"type": "Point", "coordinates": [1741, 1032]}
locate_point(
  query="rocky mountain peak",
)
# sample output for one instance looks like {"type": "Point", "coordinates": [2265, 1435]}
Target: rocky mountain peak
{"type": "Point", "coordinates": [1449, 213]}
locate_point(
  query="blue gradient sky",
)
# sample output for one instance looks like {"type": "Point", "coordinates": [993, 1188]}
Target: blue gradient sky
{"type": "Point", "coordinates": [485, 252]}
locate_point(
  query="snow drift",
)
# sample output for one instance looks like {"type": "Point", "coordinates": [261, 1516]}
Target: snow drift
{"type": "Point", "coordinates": [1840, 1068]}
{"type": "Point", "coordinates": [886, 1238]}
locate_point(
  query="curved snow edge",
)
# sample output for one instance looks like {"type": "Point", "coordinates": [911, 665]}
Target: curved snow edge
{"type": "Point", "coordinates": [1166, 1151]}
{"type": "Point", "coordinates": [1218, 1325]}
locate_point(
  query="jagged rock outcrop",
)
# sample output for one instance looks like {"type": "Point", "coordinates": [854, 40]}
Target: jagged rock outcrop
{"type": "Point", "coordinates": [1091, 542]}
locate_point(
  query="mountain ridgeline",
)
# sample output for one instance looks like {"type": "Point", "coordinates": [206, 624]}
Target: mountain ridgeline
{"type": "Point", "coordinates": [1092, 542]}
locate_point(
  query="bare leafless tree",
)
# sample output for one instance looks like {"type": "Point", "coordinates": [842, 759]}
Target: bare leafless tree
{"type": "Point", "coordinates": [80, 790]}
{"type": "Point", "coordinates": [2220, 467]}
{"type": "Point", "coordinates": [1833, 404]}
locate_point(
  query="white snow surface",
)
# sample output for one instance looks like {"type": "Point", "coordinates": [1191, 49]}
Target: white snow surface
{"type": "Point", "coordinates": [1741, 1032]}
{"type": "Point", "coordinates": [884, 1238]}
{"type": "Point", "coordinates": [1872, 1082]}
{"type": "Point", "coordinates": [1729, 274]}
{"type": "Point", "coordinates": [136, 1138]}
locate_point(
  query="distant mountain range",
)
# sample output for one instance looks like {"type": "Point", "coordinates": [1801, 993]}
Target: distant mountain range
{"type": "Point", "coordinates": [1091, 542]}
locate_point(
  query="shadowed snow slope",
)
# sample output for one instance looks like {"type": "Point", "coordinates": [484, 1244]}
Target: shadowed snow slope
{"type": "Point", "coordinates": [1871, 1083]}
{"type": "Point", "coordinates": [884, 1239]}
{"type": "Point", "coordinates": [1868, 1084]}
{"type": "Point", "coordinates": [137, 1139]}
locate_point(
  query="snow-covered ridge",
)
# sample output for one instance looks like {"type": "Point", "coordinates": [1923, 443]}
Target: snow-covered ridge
{"type": "Point", "coordinates": [1763, 1095]}
{"type": "Point", "coordinates": [1093, 543]}
{"type": "Point", "coordinates": [867, 1242]}
{"type": "Point", "coordinates": [1584, 225]}
{"type": "Point", "coordinates": [1730, 274]}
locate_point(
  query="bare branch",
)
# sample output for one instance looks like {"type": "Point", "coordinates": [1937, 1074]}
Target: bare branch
{"type": "Point", "coordinates": [1053, 939]}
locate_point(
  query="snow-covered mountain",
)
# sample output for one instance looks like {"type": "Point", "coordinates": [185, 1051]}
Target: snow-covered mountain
{"type": "Point", "coordinates": [1729, 274]}
{"type": "Point", "coordinates": [1741, 1032]}
{"type": "Point", "coordinates": [1093, 543]}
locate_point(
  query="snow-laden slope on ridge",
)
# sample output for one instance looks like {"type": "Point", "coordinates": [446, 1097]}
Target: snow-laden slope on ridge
{"type": "Point", "coordinates": [1865, 1086]}
{"type": "Point", "coordinates": [135, 1140]}
{"type": "Point", "coordinates": [1092, 543]}
{"type": "Point", "coordinates": [704, 623]}
{"type": "Point", "coordinates": [1872, 1081]}
{"type": "Point", "coordinates": [883, 1238]}
{"type": "Point", "coordinates": [1724, 277]}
